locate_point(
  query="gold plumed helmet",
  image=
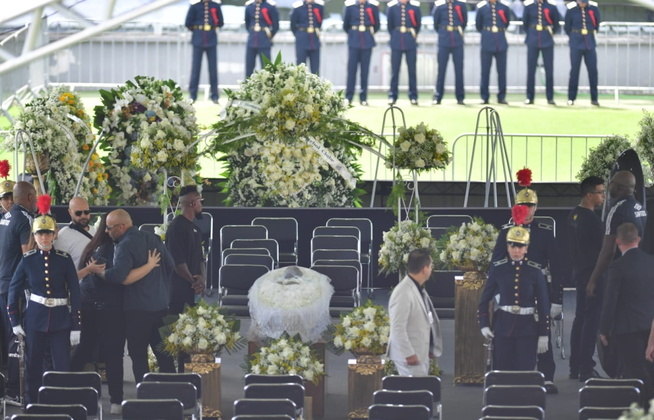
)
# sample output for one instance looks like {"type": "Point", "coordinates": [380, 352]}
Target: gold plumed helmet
{"type": "Point", "coordinates": [6, 187]}
{"type": "Point", "coordinates": [518, 235]}
{"type": "Point", "coordinates": [44, 222]}
{"type": "Point", "coordinates": [526, 196]}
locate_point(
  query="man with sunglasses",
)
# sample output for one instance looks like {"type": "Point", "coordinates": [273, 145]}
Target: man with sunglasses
{"type": "Point", "coordinates": [74, 237]}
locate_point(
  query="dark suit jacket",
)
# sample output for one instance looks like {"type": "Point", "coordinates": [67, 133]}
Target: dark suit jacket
{"type": "Point", "coordinates": [629, 295]}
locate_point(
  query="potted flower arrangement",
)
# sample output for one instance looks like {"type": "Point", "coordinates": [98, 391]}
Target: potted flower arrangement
{"type": "Point", "coordinates": [419, 149]}
{"type": "Point", "coordinates": [404, 237]}
{"type": "Point", "coordinates": [468, 247]}
{"type": "Point", "coordinates": [287, 356]}
{"type": "Point", "coordinates": [363, 331]}
{"type": "Point", "coordinates": [636, 412]}
{"type": "Point", "coordinates": [601, 159]}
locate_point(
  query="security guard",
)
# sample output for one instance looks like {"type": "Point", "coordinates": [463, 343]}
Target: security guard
{"type": "Point", "coordinates": [361, 22]}
{"type": "Point", "coordinates": [492, 20]}
{"type": "Point", "coordinates": [450, 20]}
{"type": "Point", "coordinates": [541, 21]}
{"type": "Point", "coordinates": [306, 21]}
{"type": "Point", "coordinates": [581, 24]}
{"type": "Point", "coordinates": [203, 18]}
{"type": "Point", "coordinates": [262, 23]}
{"type": "Point", "coordinates": [50, 277]}
{"type": "Point", "coordinates": [6, 196]}
{"type": "Point", "coordinates": [518, 336]}
{"type": "Point", "coordinates": [404, 25]}
{"type": "Point", "coordinates": [544, 252]}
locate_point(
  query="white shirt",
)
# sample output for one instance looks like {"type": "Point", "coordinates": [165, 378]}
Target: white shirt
{"type": "Point", "coordinates": [73, 242]}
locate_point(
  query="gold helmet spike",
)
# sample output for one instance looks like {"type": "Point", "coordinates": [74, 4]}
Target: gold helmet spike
{"type": "Point", "coordinates": [44, 222]}
{"type": "Point", "coordinates": [6, 187]}
{"type": "Point", "coordinates": [518, 235]}
{"type": "Point", "coordinates": [526, 196]}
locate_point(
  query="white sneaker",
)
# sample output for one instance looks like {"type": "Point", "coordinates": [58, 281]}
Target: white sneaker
{"type": "Point", "coordinates": [116, 409]}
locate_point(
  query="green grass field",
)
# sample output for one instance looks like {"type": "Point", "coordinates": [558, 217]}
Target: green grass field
{"type": "Point", "coordinates": [549, 159]}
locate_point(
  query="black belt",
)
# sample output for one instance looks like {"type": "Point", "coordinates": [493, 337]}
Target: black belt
{"type": "Point", "coordinates": [497, 29]}
{"type": "Point", "coordinates": [203, 27]}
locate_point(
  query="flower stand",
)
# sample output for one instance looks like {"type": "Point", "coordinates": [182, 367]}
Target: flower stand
{"type": "Point", "coordinates": [469, 350]}
{"type": "Point", "coordinates": [209, 368]}
{"type": "Point", "coordinates": [364, 376]}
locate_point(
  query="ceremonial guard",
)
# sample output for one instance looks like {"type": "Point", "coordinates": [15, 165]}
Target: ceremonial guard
{"type": "Point", "coordinates": [262, 23]}
{"type": "Point", "coordinates": [361, 22]}
{"type": "Point", "coordinates": [541, 21]}
{"type": "Point", "coordinates": [203, 19]}
{"type": "Point", "coordinates": [404, 25]}
{"type": "Point", "coordinates": [491, 21]}
{"type": "Point", "coordinates": [520, 327]}
{"type": "Point", "coordinates": [306, 21]}
{"type": "Point", "coordinates": [6, 196]}
{"type": "Point", "coordinates": [581, 24]}
{"type": "Point", "coordinates": [50, 277]}
{"type": "Point", "coordinates": [450, 20]}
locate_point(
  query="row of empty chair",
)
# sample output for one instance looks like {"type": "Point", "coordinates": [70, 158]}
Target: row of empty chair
{"type": "Point", "coordinates": [407, 397]}
{"type": "Point", "coordinates": [271, 395]}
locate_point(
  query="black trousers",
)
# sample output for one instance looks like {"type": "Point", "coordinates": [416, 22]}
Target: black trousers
{"type": "Point", "coordinates": [631, 354]}
{"type": "Point", "coordinates": [182, 296]}
{"type": "Point", "coordinates": [142, 330]}
{"type": "Point", "coordinates": [36, 343]}
{"type": "Point", "coordinates": [584, 332]}
{"type": "Point", "coordinates": [103, 329]}
{"type": "Point", "coordinates": [515, 353]}
{"type": "Point", "coordinates": [11, 347]}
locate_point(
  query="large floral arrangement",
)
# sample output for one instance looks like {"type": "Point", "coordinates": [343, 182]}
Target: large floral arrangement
{"type": "Point", "coordinates": [638, 413]}
{"type": "Point", "coordinates": [601, 159]}
{"type": "Point", "coordinates": [287, 356]}
{"type": "Point", "coordinates": [285, 142]}
{"type": "Point", "coordinates": [365, 330]}
{"type": "Point", "coordinates": [203, 329]}
{"type": "Point", "coordinates": [469, 247]}
{"type": "Point", "coordinates": [60, 130]}
{"type": "Point", "coordinates": [147, 125]}
{"type": "Point", "coordinates": [419, 148]}
{"type": "Point", "coordinates": [403, 238]}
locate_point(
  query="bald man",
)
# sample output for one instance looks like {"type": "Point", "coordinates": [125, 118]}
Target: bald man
{"type": "Point", "coordinates": [74, 237]}
{"type": "Point", "coordinates": [146, 301]}
{"type": "Point", "coordinates": [15, 231]}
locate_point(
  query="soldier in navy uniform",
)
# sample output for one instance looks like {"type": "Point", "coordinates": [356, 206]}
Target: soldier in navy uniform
{"type": "Point", "coordinates": [581, 24]}
{"type": "Point", "coordinates": [517, 335]}
{"type": "Point", "coordinates": [262, 23]}
{"type": "Point", "coordinates": [203, 18]}
{"type": "Point", "coordinates": [51, 278]}
{"type": "Point", "coordinates": [450, 20]}
{"type": "Point", "coordinates": [541, 21]}
{"type": "Point", "coordinates": [492, 20]}
{"type": "Point", "coordinates": [404, 25]}
{"type": "Point", "coordinates": [361, 22]}
{"type": "Point", "coordinates": [306, 21]}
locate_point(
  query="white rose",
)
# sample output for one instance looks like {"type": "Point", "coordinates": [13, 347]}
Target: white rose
{"type": "Point", "coordinates": [162, 156]}
{"type": "Point", "coordinates": [179, 145]}
{"type": "Point", "coordinates": [172, 338]}
{"type": "Point", "coordinates": [338, 341]}
{"type": "Point", "coordinates": [370, 312]}
{"type": "Point", "coordinates": [424, 242]}
{"type": "Point", "coordinates": [290, 124]}
{"type": "Point", "coordinates": [366, 341]}
{"type": "Point", "coordinates": [347, 321]}
{"type": "Point", "coordinates": [420, 163]}
{"type": "Point", "coordinates": [348, 345]}
{"type": "Point", "coordinates": [419, 138]}
{"type": "Point", "coordinates": [203, 344]}
{"type": "Point", "coordinates": [187, 341]}
{"type": "Point", "coordinates": [189, 329]}
{"type": "Point", "coordinates": [405, 146]}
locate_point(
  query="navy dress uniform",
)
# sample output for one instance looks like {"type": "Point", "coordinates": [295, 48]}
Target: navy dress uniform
{"type": "Point", "coordinates": [262, 23]}
{"type": "Point", "coordinates": [404, 26]}
{"type": "Point", "coordinates": [361, 22]}
{"type": "Point", "coordinates": [306, 21]}
{"type": "Point", "coordinates": [491, 21]}
{"type": "Point", "coordinates": [450, 20]}
{"type": "Point", "coordinates": [203, 18]}
{"type": "Point", "coordinates": [582, 21]}
{"type": "Point", "coordinates": [541, 21]}
{"type": "Point", "coordinates": [51, 279]}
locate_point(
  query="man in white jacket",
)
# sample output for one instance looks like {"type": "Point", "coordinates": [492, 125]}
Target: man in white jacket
{"type": "Point", "coordinates": [415, 328]}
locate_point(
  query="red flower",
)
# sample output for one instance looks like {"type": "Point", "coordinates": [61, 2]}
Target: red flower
{"type": "Point", "coordinates": [519, 214]}
{"type": "Point", "coordinates": [524, 177]}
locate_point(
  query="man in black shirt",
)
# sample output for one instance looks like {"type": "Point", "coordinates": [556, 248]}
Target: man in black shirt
{"type": "Point", "coordinates": [585, 229]}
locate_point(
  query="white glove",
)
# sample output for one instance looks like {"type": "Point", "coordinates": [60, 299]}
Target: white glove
{"type": "Point", "coordinates": [555, 310]}
{"type": "Point", "coordinates": [542, 343]}
{"type": "Point", "coordinates": [74, 337]}
{"type": "Point", "coordinates": [18, 331]}
{"type": "Point", "coordinates": [487, 333]}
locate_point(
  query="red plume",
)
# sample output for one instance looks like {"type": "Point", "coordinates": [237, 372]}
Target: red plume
{"type": "Point", "coordinates": [524, 177]}
{"type": "Point", "coordinates": [519, 214]}
{"type": "Point", "coordinates": [4, 168]}
{"type": "Point", "coordinates": [43, 203]}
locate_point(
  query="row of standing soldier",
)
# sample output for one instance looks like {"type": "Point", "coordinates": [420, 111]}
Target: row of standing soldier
{"type": "Point", "coordinates": [361, 22]}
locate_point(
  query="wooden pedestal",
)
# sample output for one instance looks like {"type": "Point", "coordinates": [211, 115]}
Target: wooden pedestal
{"type": "Point", "coordinates": [210, 372]}
{"type": "Point", "coordinates": [469, 353]}
{"type": "Point", "coordinates": [364, 376]}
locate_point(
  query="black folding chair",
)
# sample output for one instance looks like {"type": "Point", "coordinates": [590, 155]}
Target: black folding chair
{"type": "Point", "coordinates": [447, 220]}
{"type": "Point", "coordinates": [249, 259]}
{"type": "Point", "coordinates": [87, 396]}
{"type": "Point", "coordinates": [76, 411]}
{"type": "Point", "coordinates": [192, 378]}
{"type": "Point", "coordinates": [241, 251]}
{"type": "Point", "coordinates": [292, 391]}
{"type": "Point", "coordinates": [41, 417]}
{"type": "Point", "coordinates": [515, 395]}
{"type": "Point", "coordinates": [255, 378]}
{"type": "Point", "coordinates": [258, 406]}
{"type": "Point", "coordinates": [335, 242]}
{"type": "Point", "coordinates": [337, 231]}
{"type": "Point", "coordinates": [531, 411]}
{"type": "Point", "coordinates": [397, 412]}
{"type": "Point", "coordinates": [149, 227]}
{"type": "Point", "coordinates": [229, 233]}
{"type": "Point", "coordinates": [270, 244]}
{"type": "Point", "coordinates": [167, 409]}
{"type": "Point", "coordinates": [417, 383]}
{"type": "Point", "coordinates": [185, 392]}
{"type": "Point", "coordinates": [236, 279]}
{"type": "Point", "coordinates": [366, 240]}
{"type": "Point", "coordinates": [345, 280]}
{"type": "Point", "coordinates": [387, 396]}
{"type": "Point", "coordinates": [638, 383]}
{"type": "Point", "coordinates": [588, 413]}
{"type": "Point", "coordinates": [351, 263]}
{"type": "Point", "coordinates": [608, 396]}
{"type": "Point", "coordinates": [334, 254]}
{"type": "Point", "coordinates": [514, 377]}
{"type": "Point", "coordinates": [285, 231]}
{"type": "Point", "coordinates": [73, 380]}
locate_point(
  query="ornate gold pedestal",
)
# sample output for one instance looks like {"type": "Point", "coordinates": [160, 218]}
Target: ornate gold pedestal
{"type": "Point", "coordinates": [469, 355]}
{"type": "Point", "coordinates": [364, 376]}
{"type": "Point", "coordinates": [209, 368]}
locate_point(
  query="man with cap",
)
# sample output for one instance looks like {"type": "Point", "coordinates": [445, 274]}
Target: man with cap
{"type": "Point", "coordinates": [6, 196]}
{"type": "Point", "coordinates": [73, 238]}
{"type": "Point", "coordinates": [450, 20]}
{"type": "Point", "coordinates": [262, 23]}
{"type": "Point", "coordinates": [582, 22]}
{"type": "Point", "coordinates": [541, 21]}
{"type": "Point", "coordinates": [306, 21]}
{"type": "Point", "coordinates": [544, 251]}
{"type": "Point", "coordinates": [518, 336]}
{"type": "Point", "coordinates": [203, 18]}
{"type": "Point", "coordinates": [491, 21]}
{"type": "Point", "coordinates": [404, 25]}
{"type": "Point", "coordinates": [361, 22]}
{"type": "Point", "coordinates": [49, 325]}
